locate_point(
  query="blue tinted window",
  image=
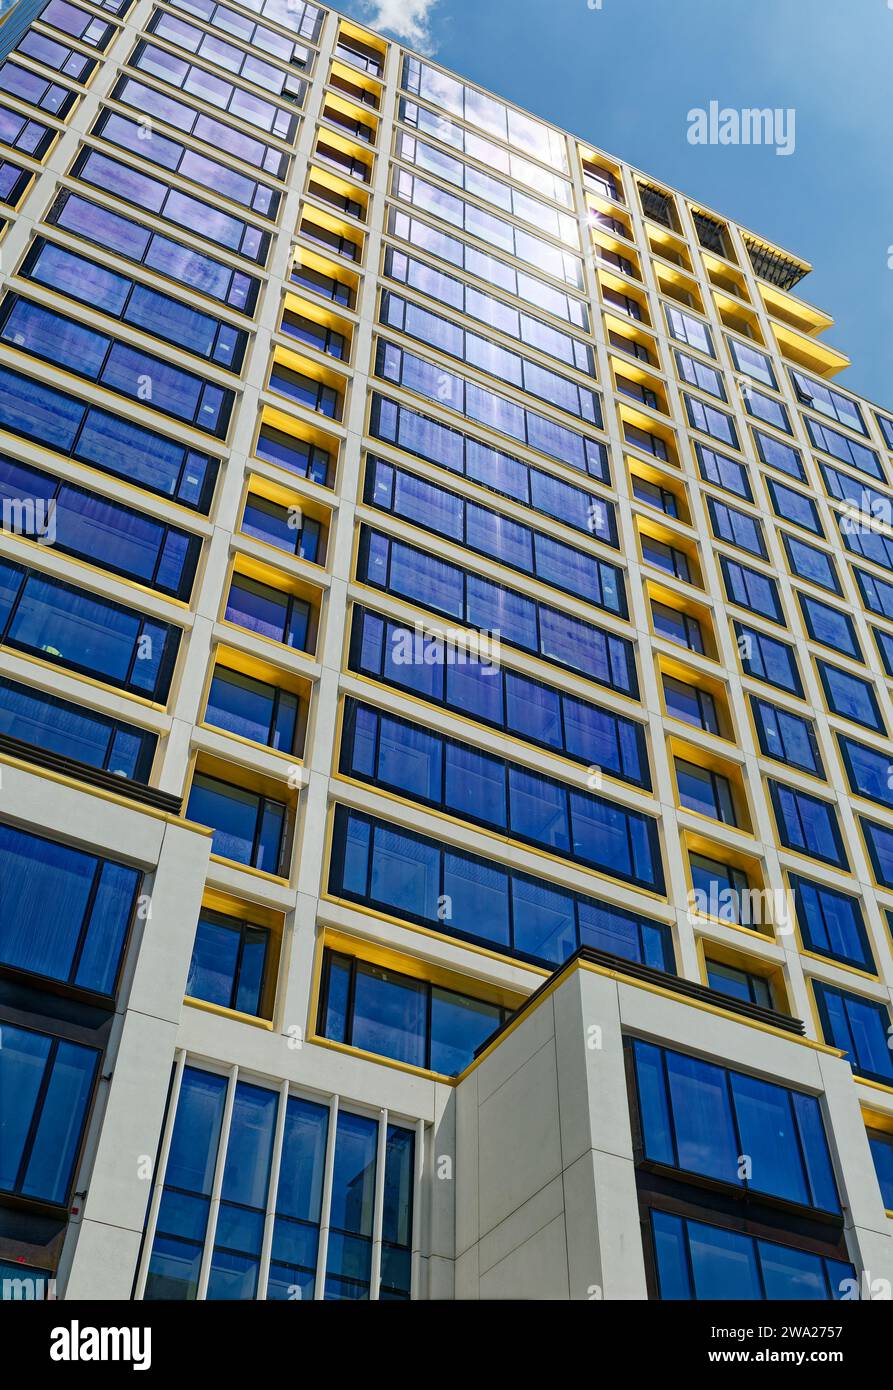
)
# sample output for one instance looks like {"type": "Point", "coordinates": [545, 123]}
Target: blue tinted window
{"type": "Point", "coordinates": [831, 923]}
{"type": "Point", "coordinates": [882, 1152]}
{"type": "Point", "coordinates": [860, 1027]}
{"type": "Point", "coordinates": [877, 594]}
{"type": "Point", "coordinates": [406, 1019]}
{"type": "Point", "coordinates": [114, 445]}
{"type": "Point", "coordinates": [171, 154]}
{"type": "Point", "coordinates": [687, 329]}
{"type": "Point", "coordinates": [297, 456]}
{"type": "Point", "coordinates": [62, 727]}
{"type": "Point", "coordinates": [185, 1204]}
{"type": "Point", "coordinates": [228, 963]}
{"type": "Point", "coordinates": [701, 1118]}
{"type": "Point", "coordinates": [284, 527]}
{"type": "Point", "coordinates": [807, 825]}
{"type": "Point", "coordinates": [879, 842]}
{"type": "Point", "coordinates": [253, 709]}
{"type": "Point", "coordinates": [812, 564]}
{"type": "Point", "coordinates": [708, 793]}
{"type": "Point", "coordinates": [268, 612]}
{"type": "Point", "coordinates": [832, 403]}
{"type": "Point", "coordinates": [739, 984]}
{"type": "Point", "coordinates": [248, 828]}
{"type": "Point", "coordinates": [723, 471]}
{"type": "Point", "coordinates": [386, 650]}
{"type": "Point", "coordinates": [871, 544]}
{"type": "Point", "coordinates": [765, 408]}
{"type": "Point", "coordinates": [445, 289]}
{"type": "Point", "coordinates": [494, 535]}
{"type": "Point", "coordinates": [495, 231]}
{"type": "Point", "coordinates": [397, 1214]}
{"type": "Point", "coordinates": [445, 588]}
{"type": "Point", "coordinates": [75, 629]}
{"type": "Point", "coordinates": [720, 890]}
{"type": "Point", "coordinates": [786, 737]}
{"type": "Point", "coordinates": [768, 659]}
{"type": "Point", "coordinates": [502, 473]}
{"type": "Point", "coordinates": [868, 770]}
{"type": "Point", "coordinates": [85, 280]}
{"type": "Point", "coordinates": [235, 1263]}
{"type": "Point", "coordinates": [91, 527]}
{"type": "Point", "coordinates": [30, 87]}
{"type": "Point", "coordinates": [753, 363]}
{"type": "Point", "coordinates": [141, 376]}
{"type": "Point", "coordinates": [489, 356]}
{"type": "Point", "coordinates": [349, 1267]}
{"type": "Point", "coordinates": [842, 447]}
{"type": "Point", "coordinates": [850, 696]}
{"type": "Point", "coordinates": [677, 627]}
{"type": "Point", "coordinates": [707, 418]}
{"type": "Point", "coordinates": [180, 209]}
{"type": "Point", "coordinates": [65, 913]}
{"type": "Point", "coordinates": [46, 1084]}
{"type": "Point", "coordinates": [556, 441]}
{"type": "Point", "coordinates": [298, 1201]}
{"type": "Point", "coordinates": [794, 506]}
{"type": "Point", "coordinates": [134, 242]}
{"type": "Point", "coordinates": [749, 588]}
{"type": "Point", "coordinates": [21, 133]}
{"type": "Point", "coordinates": [777, 454]}
{"type": "Point", "coordinates": [884, 641]}
{"type": "Point", "coordinates": [399, 872]}
{"type": "Point", "coordinates": [698, 1261]}
{"type": "Point", "coordinates": [829, 626]}
{"type": "Point", "coordinates": [736, 527]}
{"type": "Point", "coordinates": [434, 770]}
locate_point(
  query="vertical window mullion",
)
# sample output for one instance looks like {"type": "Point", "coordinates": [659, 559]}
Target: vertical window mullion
{"type": "Point", "coordinates": [801, 1147]}
{"type": "Point", "coordinates": [217, 1185]}
{"type": "Point", "coordinates": [36, 1115]}
{"type": "Point", "coordinates": [671, 1115]}
{"type": "Point", "coordinates": [326, 1210]}
{"type": "Point", "coordinates": [758, 1261]}
{"type": "Point", "coordinates": [14, 607]}
{"type": "Point", "coordinates": [128, 679]}
{"type": "Point", "coordinates": [274, 716]}
{"type": "Point", "coordinates": [258, 823]}
{"type": "Point", "coordinates": [417, 1231]}
{"type": "Point", "coordinates": [350, 1006]}
{"type": "Point", "coordinates": [158, 1190]}
{"type": "Point", "coordinates": [270, 1214]}
{"type": "Point", "coordinates": [85, 921]}
{"type": "Point", "coordinates": [234, 989]}
{"type": "Point", "coordinates": [429, 1011]}
{"type": "Point", "coordinates": [733, 1110]}
{"type": "Point", "coordinates": [688, 1260]}
{"type": "Point", "coordinates": [378, 1205]}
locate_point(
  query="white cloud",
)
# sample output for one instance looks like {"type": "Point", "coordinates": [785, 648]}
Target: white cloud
{"type": "Point", "coordinates": [407, 19]}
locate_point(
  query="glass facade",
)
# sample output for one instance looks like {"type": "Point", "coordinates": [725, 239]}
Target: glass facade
{"type": "Point", "coordinates": [243, 1141]}
{"type": "Point", "coordinates": [453, 561]}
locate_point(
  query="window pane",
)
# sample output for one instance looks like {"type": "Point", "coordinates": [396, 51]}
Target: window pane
{"type": "Point", "coordinates": [459, 1026]}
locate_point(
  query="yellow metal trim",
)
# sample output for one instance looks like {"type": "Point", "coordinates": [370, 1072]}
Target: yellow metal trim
{"type": "Point", "coordinates": [263, 1023]}
{"type": "Point", "coordinates": [137, 807]}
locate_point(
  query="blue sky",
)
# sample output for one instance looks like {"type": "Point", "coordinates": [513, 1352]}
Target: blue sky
{"type": "Point", "coordinates": [626, 75]}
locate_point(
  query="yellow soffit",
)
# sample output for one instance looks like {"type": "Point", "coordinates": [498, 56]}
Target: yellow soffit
{"type": "Point", "coordinates": [808, 352]}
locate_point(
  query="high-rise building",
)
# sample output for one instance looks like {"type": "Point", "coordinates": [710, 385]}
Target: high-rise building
{"type": "Point", "coordinates": [446, 826]}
